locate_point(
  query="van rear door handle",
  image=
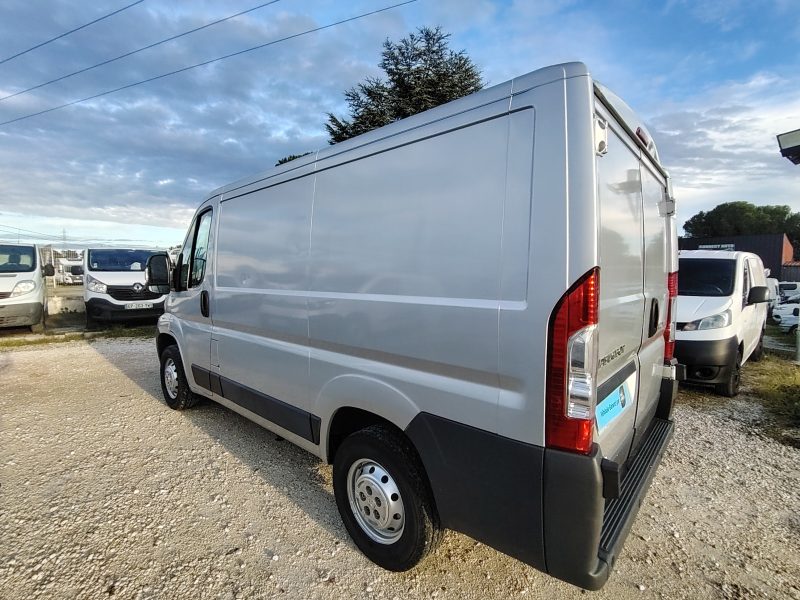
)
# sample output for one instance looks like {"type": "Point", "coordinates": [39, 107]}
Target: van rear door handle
{"type": "Point", "coordinates": [204, 304]}
{"type": "Point", "coordinates": [653, 323]}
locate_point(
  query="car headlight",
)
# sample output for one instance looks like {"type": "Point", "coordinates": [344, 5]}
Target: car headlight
{"type": "Point", "coordinates": [95, 285]}
{"type": "Point", "coordinates": [718, 321]}
{"type": "Point", "coordinates": [23, 287]}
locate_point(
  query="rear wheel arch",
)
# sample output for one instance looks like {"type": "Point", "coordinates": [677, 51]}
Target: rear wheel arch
{"type": "Point", "coordinates": [348, 420]}
{"type": "Point", "coordinates": [360, 400]}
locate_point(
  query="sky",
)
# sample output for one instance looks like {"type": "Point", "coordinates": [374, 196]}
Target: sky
{"type": "Point", "coordinates": [714, 80]}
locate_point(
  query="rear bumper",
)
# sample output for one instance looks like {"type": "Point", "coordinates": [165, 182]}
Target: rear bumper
{"type": "Point", "coordinates": [583, 531]}
{"type": "Point", "coordinates": [542, 506]}
{"type": "Point", "coordinates": [103, 310]}
{"type": "Point", "coordinates": [21, 315]}
{"type": "Point", "coordinates": [707, 361]}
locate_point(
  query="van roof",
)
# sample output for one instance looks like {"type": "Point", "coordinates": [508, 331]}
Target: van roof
{"type": "Point", "coordinates": [495, 93]}
{"type": "Point", "coordinates": [629, 119]}
{"type": "Point", "coordinates": [721, 254]}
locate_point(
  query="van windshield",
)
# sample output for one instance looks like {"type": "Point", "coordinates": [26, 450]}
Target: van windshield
{"type": "Point", "coordinates": [118, 260]}
{"type": "Point", "coordinates": [706, 276]}
{"type": "Point", "coordinates": [17, 259]}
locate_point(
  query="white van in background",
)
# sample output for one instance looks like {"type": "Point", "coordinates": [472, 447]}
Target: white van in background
{"type": "Point", "coordinates": [722, 313]}
{"type": "Point", "coordinates": [477, 330]}
{"type": "Point", "coordinates": [114, 287]}
{"type": "Point", "coordinates": [774, 294]}
{"type": "Point", "coordinates": [787, 315]}
{"type": "Point", "coordinates": [787, 289]}
{"type": "Point", "coordinates": [23, 297]}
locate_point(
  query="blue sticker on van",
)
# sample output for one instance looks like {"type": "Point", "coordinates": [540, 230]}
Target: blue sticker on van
{"type": "Point", "coordinates": [612, 406]}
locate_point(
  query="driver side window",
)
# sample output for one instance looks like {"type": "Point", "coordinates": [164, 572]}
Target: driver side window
{"type": "Point", "coordinates": [195, 252]}
{"type": "Point", "coordinates": [200, 250]}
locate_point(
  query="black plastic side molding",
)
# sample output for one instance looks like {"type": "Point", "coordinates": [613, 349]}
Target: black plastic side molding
{"type": "Point", "coordinates": [291, 418]}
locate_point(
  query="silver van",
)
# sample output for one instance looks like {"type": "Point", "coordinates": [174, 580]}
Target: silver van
{"type": "Point", "coordinates": [468, 312]}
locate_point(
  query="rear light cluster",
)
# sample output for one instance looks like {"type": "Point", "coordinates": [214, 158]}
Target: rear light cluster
{"type": "Point", "coordinates": [669, 330]}
{"type": "Point", "coordinates": [571, 367]}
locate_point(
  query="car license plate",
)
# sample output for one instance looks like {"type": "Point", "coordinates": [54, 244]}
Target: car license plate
{"type": "Point", "coordinates": [138, 305]}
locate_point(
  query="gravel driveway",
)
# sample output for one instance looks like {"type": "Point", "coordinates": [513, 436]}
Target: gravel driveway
{"type": "Point", "coordinates": [106, 492]}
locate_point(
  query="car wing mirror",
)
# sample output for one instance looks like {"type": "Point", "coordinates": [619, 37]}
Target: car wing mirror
{"type": "Point", "coordinates": [49, 270]}
{"type": "Point", "coordinates": [758, 294]}
{"type": "Point", "coordinates": [157, 274]}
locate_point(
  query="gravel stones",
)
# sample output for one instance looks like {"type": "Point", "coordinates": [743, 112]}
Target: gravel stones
{"type": "Point", "coordinates": [107, 493]}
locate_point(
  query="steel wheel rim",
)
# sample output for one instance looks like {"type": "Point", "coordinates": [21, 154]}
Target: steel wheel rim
{"type": "Point", "coordinates": [171, 378]}
{"type": "Point", "coordinates": [375, 501]}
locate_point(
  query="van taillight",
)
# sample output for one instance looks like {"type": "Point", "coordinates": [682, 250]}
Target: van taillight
{"type": "Point", "coordinates": [571, 367]}
{"type": "Point", "coordinates": [669, 330]}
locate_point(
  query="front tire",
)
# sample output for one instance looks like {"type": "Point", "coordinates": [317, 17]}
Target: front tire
{"type": "Point", "coordinates": [174, 385]}
{"type": "Point", "coordinates": [758, 353]}
{"type": "Point", "coordinates": [730, 387]}
{"type": "Point", "coordinates": [383, 498]}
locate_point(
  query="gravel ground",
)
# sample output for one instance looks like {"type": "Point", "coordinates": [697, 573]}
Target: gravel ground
{"type": "Point", "coordinates": [106, 492]}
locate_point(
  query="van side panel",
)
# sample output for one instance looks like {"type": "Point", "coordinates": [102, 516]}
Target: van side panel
{"type": "Point", "coordinates": [519, 411]}
{"type": "Point", "coordinates": [425, 321]}
{"type": "Point", "coordinates": [562, 232]}
{"type": "Point", "coordinates": [260, 314]}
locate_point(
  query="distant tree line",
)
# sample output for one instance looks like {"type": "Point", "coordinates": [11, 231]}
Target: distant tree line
{"type": "Point", "coordinates": [744, 218]}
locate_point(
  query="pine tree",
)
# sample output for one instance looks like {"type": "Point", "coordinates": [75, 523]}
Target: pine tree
{"type": "Point", "coordinates": [421, 72]}
{"type": "Point", "coordinates": [291, 157]}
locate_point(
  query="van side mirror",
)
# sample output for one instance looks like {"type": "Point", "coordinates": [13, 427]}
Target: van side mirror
{"type": "Point", "coordinates": [758, 294]}
{"type": "Point", "coordinates": [49, 270]}
{"type": "Point", "coordinates": [796, 312]}
{"type": "Point", "coordinates": [76, 270]}
{"type": "Point", "coordinates": [157, 273]}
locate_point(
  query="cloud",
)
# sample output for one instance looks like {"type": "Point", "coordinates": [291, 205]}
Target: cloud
{"type": "Point", "coordinates": [714, 92]}
{"type": "Point", "coordinates": [726, 15]}
{"type": "Point", "coordinates": [150, 154]}
{"type": "Point", "coordinates": [722, 147]}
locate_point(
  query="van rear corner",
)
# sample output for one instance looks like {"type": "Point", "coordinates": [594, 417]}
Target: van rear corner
{"type": "Point", "coordinates": [590, 504]}
{"type": "Point", "coordinates": [591, 492]}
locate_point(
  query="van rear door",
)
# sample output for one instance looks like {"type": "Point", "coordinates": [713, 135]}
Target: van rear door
{"type": "Point", "coordinates": [656, 223]}
{"type": "Point", "coordinates": [634, 265]}
{"type": "Point", "coordinates": [621, 311]}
